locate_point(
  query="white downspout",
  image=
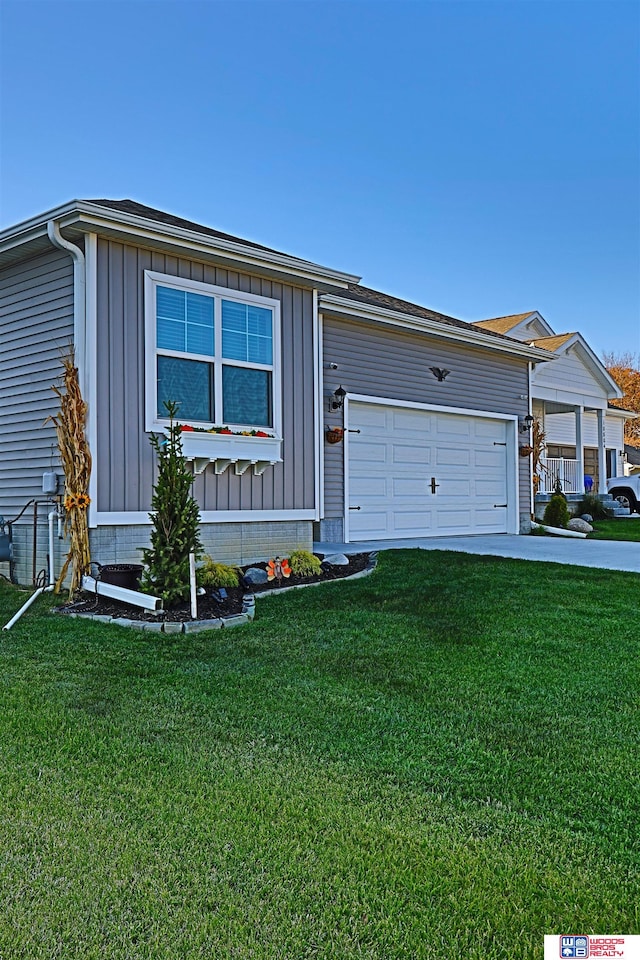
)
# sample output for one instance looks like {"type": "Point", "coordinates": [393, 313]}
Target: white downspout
{"type": "Point", "coordinates": [79, 299]}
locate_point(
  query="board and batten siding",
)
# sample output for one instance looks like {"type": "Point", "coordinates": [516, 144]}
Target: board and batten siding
{"type": "Point", "coordinates": [124, 459]}
{"type": "Point", "coordinates": [36, 328]}
{"type": "Point", "coordinates": [389, 363]}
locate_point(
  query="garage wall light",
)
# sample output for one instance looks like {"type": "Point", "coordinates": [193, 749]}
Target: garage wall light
{"type": "Point", "coordinates": [440, 373]}
{"type": "Point", "coordinates": [526, 424]}
{"type": "Point", "coordinates": [337, 399]}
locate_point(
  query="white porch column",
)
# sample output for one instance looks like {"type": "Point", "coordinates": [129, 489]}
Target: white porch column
{"type": "Point", "coordinates": [602, 457]}
{"type": "Point", "coordinates": [579, 451]}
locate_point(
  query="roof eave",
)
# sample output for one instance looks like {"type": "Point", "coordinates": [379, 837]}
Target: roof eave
{"type": "Point", "coordinates": [470, 336]}
{"type": "Point", "coordinates": [90, 217]}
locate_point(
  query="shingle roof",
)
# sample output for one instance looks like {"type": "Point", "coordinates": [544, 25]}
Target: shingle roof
{"type": "Point", "coordinates": [357, 292]}
{"type": "Point", "coordinates": [503, 324]}
{"type": "Point", "coordinates": [552, 343]}
{"type": "Point", "coordinates": [150, 213]}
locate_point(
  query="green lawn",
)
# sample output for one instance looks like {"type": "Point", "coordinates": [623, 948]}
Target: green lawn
{"type": "Point", "coordinates": [616, 530]}
{"type": "Point", "coordinates": [438, 761]}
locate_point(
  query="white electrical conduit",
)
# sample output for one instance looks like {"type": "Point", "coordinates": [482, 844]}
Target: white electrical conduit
{"type": "Point", "coordinates": [558, 531]}
{"type": "Point", "coordinates": [52, 581]}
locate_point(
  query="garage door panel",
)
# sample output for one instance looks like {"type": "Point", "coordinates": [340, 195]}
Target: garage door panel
{"type": "Point", "coordinates": [452, 457]}
{"type": "Point", "coordinates": [415, 487]}
{"type": "Point", "coordinates": [448, 425]}
{"type": "Point", "coordinates": [490, 429]}
{"type": "Point", "coordinates": [490, 488]}
{"type": "Point", "coordinates": [491, 458]}
{"type": "Point", "coordinates": [372, 417]}
{"type": "Point", "coordinates": [461, 488]}
{"type": "Point", "coordinates": [374, 486]}
{"type": "Point", "coordinates": [391, 463]}
{"type": "Point", "coordinates": [409, 521]}
{"type": "Point", "coordinates": [410, 453]}
{"type": "Point", "coordinates": [454, 519]}
{"type": "Point", "coordinates": [411, 421]}
{"type": "Point", "coordinates": [371, 453]}
{"type": "Point", "coordinates": [373, 525]}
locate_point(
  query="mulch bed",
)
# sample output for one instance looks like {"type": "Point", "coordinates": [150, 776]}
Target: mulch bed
{"type": "Point", "coordinates": [210, 606]}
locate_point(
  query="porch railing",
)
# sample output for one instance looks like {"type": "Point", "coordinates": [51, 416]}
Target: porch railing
{"type": "Point", "coordinates": [557, 468]}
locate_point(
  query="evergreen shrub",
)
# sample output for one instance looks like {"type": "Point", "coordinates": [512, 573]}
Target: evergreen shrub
{"type": "Point", "coordinates": [176, 520]}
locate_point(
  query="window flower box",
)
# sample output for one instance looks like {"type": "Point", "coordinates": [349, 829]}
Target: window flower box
{"type": "Point", "coordinates": [223, 449]}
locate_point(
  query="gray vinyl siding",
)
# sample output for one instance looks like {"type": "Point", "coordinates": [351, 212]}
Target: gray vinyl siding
{"type": "Point", "coordinates": [386, 362]}
{"type": "Point", "coordinates": [36, 326]}
{"type": "Point", "coordinates": [125, 461]}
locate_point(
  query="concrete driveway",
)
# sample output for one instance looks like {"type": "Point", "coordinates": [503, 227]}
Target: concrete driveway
{"type": "Point", "coordinates": [604, 554]}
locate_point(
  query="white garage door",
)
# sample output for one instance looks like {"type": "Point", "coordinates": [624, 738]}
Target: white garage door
{"type": "Point", "coordinates": [416, 473]}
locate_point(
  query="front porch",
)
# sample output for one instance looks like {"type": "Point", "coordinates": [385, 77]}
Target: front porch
{"type": "Point", "coordinates": [575, 448]}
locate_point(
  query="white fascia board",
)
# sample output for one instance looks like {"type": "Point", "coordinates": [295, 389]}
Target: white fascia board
{"type": "Point", "coordinates": [622, 414]}
{"type": "Point", "coordinates": [469, 337]}
{"type": "Point", "coordinates": [558, 395]}
{"type": "Point", "coordinates": [94, 217]}
{"type": "Point", "coordinates": [34, 227]}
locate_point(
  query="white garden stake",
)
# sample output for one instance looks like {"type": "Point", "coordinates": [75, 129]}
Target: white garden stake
{"type": "Point", "coordinates": [192, 586]}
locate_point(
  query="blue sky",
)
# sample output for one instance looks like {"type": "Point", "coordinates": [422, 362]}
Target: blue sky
{"type": "Point", "coordinates": [480, 158]}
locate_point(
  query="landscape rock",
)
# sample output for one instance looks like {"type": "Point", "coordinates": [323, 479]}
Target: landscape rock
{"type": "Point", "coordinates": [587, 517]}
{"type": "Point", "coordinates": [336, 560]}
{"type": "Point", "coordinates": [255, 576]}
{"type": "Point", "coordinates": [579, 526]}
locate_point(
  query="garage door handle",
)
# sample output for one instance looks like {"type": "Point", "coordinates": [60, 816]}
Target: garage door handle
{"type": "Point", "coordinates": [353, 431]}
{"type": "Point", "coordinates": [434, 484]}
{"type": "Point", "coordinates": [355, 508]}
{"type": "Point", "coordinates": [501, 504]}
{"type": "Point", "coordinates": [497, 443]}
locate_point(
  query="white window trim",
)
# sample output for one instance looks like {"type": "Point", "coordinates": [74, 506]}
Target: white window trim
{"type": "Point", "coordinates": [154, 423]}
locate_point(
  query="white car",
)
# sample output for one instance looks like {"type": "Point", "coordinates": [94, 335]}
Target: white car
{"type": "Point", "coordinates": [626, 490]}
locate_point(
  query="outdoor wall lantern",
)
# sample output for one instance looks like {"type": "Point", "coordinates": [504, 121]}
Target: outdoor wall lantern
{"type": "Point", "coordinates": [526, 424]}
{"type": "Point", "coordinates": [337, 399]}
{"type": "Point", "coordinates": [440, 373]}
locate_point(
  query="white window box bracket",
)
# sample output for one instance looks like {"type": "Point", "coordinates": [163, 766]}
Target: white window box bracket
{"type": "Point", "coordinates": [223, 450]}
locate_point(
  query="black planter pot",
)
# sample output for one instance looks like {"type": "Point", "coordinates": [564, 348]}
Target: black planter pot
{"type": "Point", "coordinates": [121, 574]}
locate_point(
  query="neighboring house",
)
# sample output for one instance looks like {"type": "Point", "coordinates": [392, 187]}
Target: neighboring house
{"type": "Point", "coordinates": [250, 339]}
{"type": "Point", "coordinates": [571, 397]}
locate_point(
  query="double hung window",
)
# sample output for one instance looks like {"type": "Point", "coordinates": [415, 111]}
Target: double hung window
{"type": "Point", "coordinates": [213, 351]}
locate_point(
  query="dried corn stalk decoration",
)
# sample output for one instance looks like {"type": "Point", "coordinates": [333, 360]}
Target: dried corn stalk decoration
{"type": "Point", "coordinates": [76, 463]}
{"type": "Point", "coordinates": [539, 446]}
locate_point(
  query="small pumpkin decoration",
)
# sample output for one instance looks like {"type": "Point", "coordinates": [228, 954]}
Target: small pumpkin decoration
{"type": "Point", "coordinates": [334, 434]}
{"type": "Point", "coordinates": [525, 451]}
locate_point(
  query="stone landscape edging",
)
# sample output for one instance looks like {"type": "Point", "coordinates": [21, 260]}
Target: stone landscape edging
{"type": "Point", "coordinates": [234, 620]}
